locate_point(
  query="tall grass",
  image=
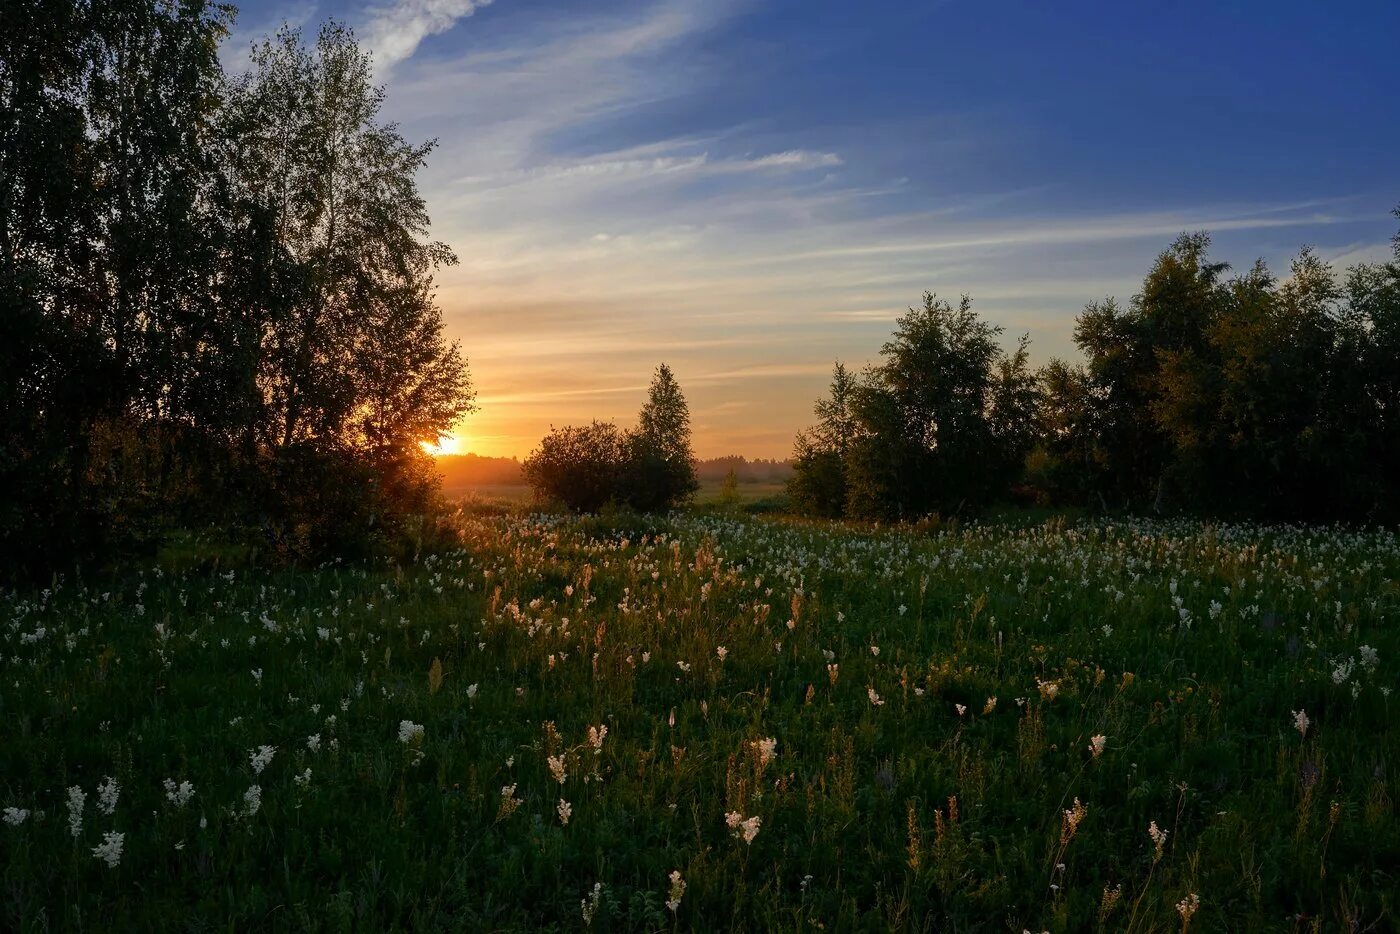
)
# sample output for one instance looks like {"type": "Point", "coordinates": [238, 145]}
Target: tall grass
{"type": "Point", "coordinates": [815, 726]}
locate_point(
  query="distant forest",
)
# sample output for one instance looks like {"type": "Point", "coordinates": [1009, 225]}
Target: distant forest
{"type": "Point", "coordinates": [471, 470]}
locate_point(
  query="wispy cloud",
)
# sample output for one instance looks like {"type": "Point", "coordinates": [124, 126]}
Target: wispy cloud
{"type": "Point", "coordinates": [599, 234]}
{"type": "Point", "coordinates": [394, 31]}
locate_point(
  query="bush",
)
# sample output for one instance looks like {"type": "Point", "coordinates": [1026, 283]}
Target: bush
{"type": "Point", "coordinates": [578, 467]}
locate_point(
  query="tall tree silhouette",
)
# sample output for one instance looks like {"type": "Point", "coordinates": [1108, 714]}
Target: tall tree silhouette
{"type": "Point", "coordinates": [661, 463]}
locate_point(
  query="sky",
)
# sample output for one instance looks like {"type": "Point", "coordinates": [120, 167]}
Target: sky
{"type": "Point", "coordinates": [750, 190]}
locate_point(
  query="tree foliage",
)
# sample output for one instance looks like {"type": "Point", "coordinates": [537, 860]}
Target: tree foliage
{"type": "Point", "coordinates": [1238, 395]}
{"type": "Point", "coordinates": [650, 468]}
{"type": "Point", "coordinates": [212, 287]}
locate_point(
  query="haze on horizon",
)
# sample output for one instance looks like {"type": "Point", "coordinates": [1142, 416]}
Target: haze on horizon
{"type": "Point", "coordinates": [751, 189]}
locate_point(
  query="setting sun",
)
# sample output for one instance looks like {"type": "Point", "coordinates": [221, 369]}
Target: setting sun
{"type": "Point", "coordinates": [447, 444]}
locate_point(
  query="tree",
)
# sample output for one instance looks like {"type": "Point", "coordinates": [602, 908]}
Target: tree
{"type": "Point", "coordinates": [341, 339]}
{"type": "Point", "coordinates": [578, 467]}
{"type": "Point", "coordinates": [942, 418]}
{"type": "Point", "coordinates": [661, 464]}
{"type": "Point", "coordinates": [821, 454]}
{"type": "Point", "coordinates": [105, 261]}
{"type": "Point", "coordinates": [729, 489]}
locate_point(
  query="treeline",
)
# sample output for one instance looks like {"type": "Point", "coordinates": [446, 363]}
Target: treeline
{"type": "Point", "coordinates": [217, 291]}
{"type": "Point", "coordinates": [1244, 396]}
{"type": "Point", "coordinates": [649, 468]}
{"type": "Point", "coordinates": [459, 471]}
{"type": "Point", "coordinates": [759, 470]}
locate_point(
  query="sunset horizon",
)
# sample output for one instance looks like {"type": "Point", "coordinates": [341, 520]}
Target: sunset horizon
{"type": "Point", "coordinates": [700, 465]}
{"type": "Point", "coordinates": [617, 198]}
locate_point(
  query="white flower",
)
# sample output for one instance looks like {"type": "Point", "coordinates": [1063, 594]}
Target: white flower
{"type": "Point", "coordinates": [590, 905]}
{"type": "Point", "coordinates": [110, 849]}
{"type": "Point", "coordinates": [16, 816]}
{"type": "Point", "coordinates": [1301, 722]}
{"type": "Point", "coordinates": [1096, 744]}
{"type": "Point", "coordinates": [961, 709]}
{"type": "Point", "coordinates": [1158, 837]}
{"type": "Point", "coordinates": [410, 732]}
{"type": "Point", "coordinates": [721, 652]}
{"type": "Point", "coordinates": [596, 735]}
{"type": "Point", "coordinates": [741, 827]}
{"type": "Point", "coordinates": [556, 769]}
{"type": "Point", "coordinates": [875, 650]}
{"type": "Point", "coordinates": [673, 900]}
{"type": "Point", "coordinates": [565, 810]}
{"type": "Point", "coordinates": [875, 698]}
{"type": "Point", "coordinates": [107, 794]}
{"type": "Point", "coordinates": [766, 748]}
{"type": "Point", "coordinates": [76, 799]}
{"type": "Point", "coordinates": [260, 757]}
{"type": "Point", "coordinates": [471, 691]}
{"type": "Point", "coordinates": [313, 742]}
{"type": "Point", "coordinates": [178, 795]}
{"type": "Point", "coordinates": [303, 779]}
{"type": "Point", "coordinates": [252, 800]}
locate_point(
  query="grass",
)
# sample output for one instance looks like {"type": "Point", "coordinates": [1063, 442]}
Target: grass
{"type": "Point", "coordinates": [934, 699]}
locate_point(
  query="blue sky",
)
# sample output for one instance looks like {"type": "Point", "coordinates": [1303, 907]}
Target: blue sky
{"type": "Point", "coordinates": [750, 189]}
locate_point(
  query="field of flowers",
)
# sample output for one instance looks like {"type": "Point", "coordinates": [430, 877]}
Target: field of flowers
{"type": "Point", "coordinates": [711, 723]}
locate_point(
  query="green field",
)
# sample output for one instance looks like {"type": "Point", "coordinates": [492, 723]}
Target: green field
{"type": "Point", "coordinates": [934, 728]}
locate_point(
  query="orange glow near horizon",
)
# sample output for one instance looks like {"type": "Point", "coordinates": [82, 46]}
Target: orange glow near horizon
{"type": "Point", "coordinates": [447, 444]}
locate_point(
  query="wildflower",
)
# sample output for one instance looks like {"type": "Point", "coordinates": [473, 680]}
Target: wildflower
{"type": "Point", "coordinates": [1048, 689]}
{"type": "Point", "coordinates": [313, 742]}
{"type": "Point", "coordinates": [178, 795]}
{"type": "Point", "coordinates": [410, 732]}
{"type": "Point", "coordinates": [875, 651]}
{"type": "Point", "coordinates": [1301, 722]}
{"type": "Point", "coordinates": [257, 675]}
{"type": "Point", "coordinates": [673, 900]}
{"type": "Point", "coordinates": [566, 810]}
{"type": "Point", "coordinates": [509, 802]}
{"type": "Point", "coordinates": [989, 706]}
{"type": "Point", "coordinates": [110, 849]}
{"type": "Point", "coordinates": [961, 709]}
{"type": "Point", "coordinates": [874, 698]}
{"type": "Point", "coordinates": [260, 758]}
{"type": "Point", "coordinates": [1096, 744]}
{"type": "Point", "coordinates": [741, 827]}
{"type": "Point", "coordinates": [76, 800]}
{"type": "Point", "coordinates": [590, 904]}
{"type": "Point", "coordinates": [833, 672]}
{"type": "Point", "coordinates": [16, 816]}
{"type": "Point", "coordinates": [1187, 907]}
{"type": "Point", "coordinates": [1158, 837]}
{"type": "Point", "coordinates": [252, 800]}
{"type": "Point", "coordinates": [556, 769]}
{"type": "Point", "coordinates": [766, 749]}
{"type": "Point", "coordinates": [107, 794]}
{"type": "Point", "coordinates": [471, 691]}
{"type": "Point", "coordinates": [596, 734]}
{"type": "Point", "coordinates": [1109, 900]}
{"type": "Point", "coordinates": [1071, 820]}
{"type": "Point", "coordinates": [303, 779]}
{"type": "Point", "coordinates": [721, 652]}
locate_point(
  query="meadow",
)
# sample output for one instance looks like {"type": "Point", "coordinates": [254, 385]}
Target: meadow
{"type": "Point", "coordinates": [709, 722]}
